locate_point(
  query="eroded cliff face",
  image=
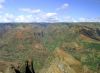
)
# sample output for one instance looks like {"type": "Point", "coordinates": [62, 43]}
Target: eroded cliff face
{"type": "Point", "coordinates": [64, 63]}
{"type": "Point", "coordinates": [53, 49]}
{"type": "Point", "coordinates": [5, 67]}
{"type": "Point", "coordinates": [93, 33]}
{"type": "Point", "coordinates": [27, 67]}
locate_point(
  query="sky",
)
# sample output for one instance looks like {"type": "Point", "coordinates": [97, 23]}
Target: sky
{"type": "Point", "coordinates": [49, 10]}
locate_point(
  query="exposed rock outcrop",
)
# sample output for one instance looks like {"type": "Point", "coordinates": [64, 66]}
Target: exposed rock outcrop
{"type": "Point", "coordinates": [90, 32]}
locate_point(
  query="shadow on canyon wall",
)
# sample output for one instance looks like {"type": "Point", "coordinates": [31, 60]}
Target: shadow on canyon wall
{"type": "Point", "coordinates": [28, 68]}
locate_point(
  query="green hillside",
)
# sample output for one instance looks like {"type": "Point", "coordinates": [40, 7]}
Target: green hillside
{"type": "Point", "coordinates": [73, 46]}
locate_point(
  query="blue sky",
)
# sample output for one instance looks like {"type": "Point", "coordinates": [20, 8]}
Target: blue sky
{"type": "Point", "coordinates": [49, 10]}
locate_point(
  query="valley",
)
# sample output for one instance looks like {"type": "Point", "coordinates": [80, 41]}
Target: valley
{"type": "Point", "coordinates": [51, 47]}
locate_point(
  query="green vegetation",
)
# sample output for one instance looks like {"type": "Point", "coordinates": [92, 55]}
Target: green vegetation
{"type": "Point", "coordinates": [24, 41]}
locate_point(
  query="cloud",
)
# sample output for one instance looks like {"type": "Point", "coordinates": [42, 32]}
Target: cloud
{"type": "Point", "coordinates": [64, 6]}
{"type": "Point", "coordinates": [49, 17]}
{"type": "Point", "coordinates": [50, 14]}
{"type": "Point", "coordinates": [1, 3]}
{"type": "Point", "coordinates": [29, 10]}
{"type": "Point", "coordinates": [84, 19]}
{"type": "Point", "coordinates": [68, 19]}
{"type": "Point", "coordinates": [38, 15]}
{"type": "Point", "coordinates": [7, 17]}
{"type": "Point", "coordinates": [97, 19]}
{"type": "Point", "coordinates": [44, 17]}
{"type": "Point", "coordinates": [24, 18]}
{"type": "Point", "coordinates": [81, 19]}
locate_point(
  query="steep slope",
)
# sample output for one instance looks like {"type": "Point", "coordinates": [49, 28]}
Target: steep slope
{"type": "Point", "coordinates": [93, 33]}
{"type": "Point", "coordinates": [63, 63]}
{"type": "Point", "coordinates": [78, 52]}
{"type": "Point", "coordinates": [23, 43]}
